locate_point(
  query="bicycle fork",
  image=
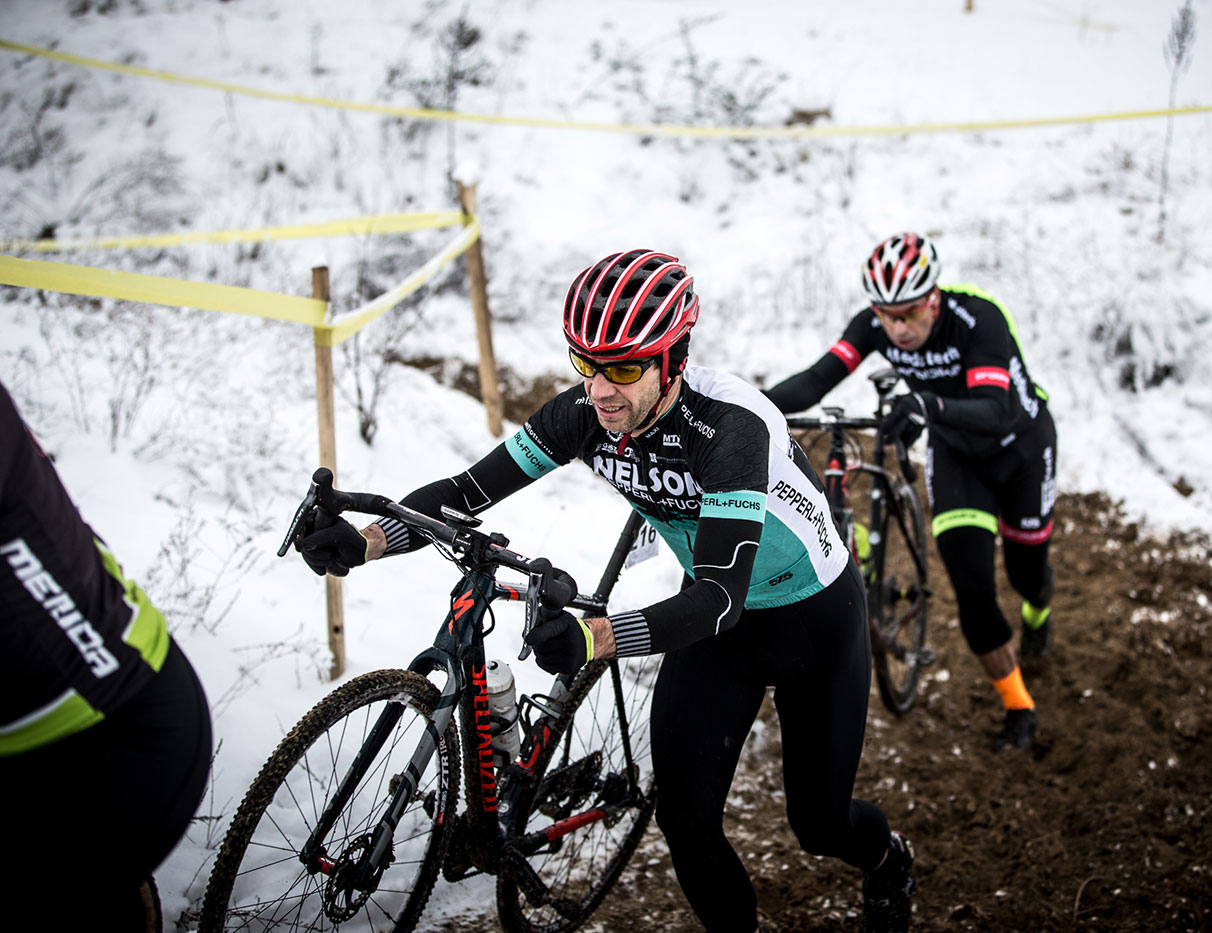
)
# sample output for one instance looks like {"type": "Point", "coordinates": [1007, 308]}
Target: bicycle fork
{"type": "Point", "coordinates": [363, 876]}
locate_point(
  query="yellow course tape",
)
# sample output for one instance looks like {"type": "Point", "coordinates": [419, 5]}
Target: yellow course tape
{"type": "Point", "coordinates": [345, 326]}
{"type": "Point", "coordinates": [381, 223]}
{"type": "Point", "coordinates": [153, 289]}
{"type": "Point", "coordinates": [728, 132]}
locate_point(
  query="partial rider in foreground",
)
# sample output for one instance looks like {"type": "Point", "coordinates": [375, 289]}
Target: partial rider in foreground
{"type": "Point", "coordinates": [105, 732]}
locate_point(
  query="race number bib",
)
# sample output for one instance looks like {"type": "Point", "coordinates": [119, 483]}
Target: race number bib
{"type": "Point", "coordinates": [645, 546]}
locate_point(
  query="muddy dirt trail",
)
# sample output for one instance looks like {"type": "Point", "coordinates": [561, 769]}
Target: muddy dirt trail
{"type": "Point", "coordinates": [1105, 825]}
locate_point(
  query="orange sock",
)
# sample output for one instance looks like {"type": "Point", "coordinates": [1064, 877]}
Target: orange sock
{"type": "Point", "coordinates": [1013, 691]}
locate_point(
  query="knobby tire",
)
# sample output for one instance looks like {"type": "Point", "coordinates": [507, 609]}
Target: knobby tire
{"type": "Point", "coordinates": [898, 598]}
{"type": "Point", "coordinates": [580, 868]}
{"type": "Point", "coordinates": [258, 882]}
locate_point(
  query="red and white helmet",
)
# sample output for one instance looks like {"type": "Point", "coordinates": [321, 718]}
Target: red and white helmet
{"type": "Point", "coordinates": [630, 306]}
{"type": "Point", "coordinates": [903, 269]}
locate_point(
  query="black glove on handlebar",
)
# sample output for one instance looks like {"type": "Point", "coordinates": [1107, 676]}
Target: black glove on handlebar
{"type": "Point", "coordinates": [334, 549]}
{"type": "Point", "coordinates": [910, 415]}
{"type": "Point", "coordinates": [562, 643]}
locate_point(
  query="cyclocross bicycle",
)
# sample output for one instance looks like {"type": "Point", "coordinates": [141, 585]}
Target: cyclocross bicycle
{"type": "Point", "coordinates": [893, 554]}
{"type": "Point", "coordinates": [350, 821]}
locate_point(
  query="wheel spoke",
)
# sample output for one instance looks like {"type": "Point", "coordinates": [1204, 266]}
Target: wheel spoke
{"type": "Point", "coordinates": [258, 881]}
{"type": "Point", "coordinates": [899, 599]}
{"type": "Point", "coordinates": [577, 869]}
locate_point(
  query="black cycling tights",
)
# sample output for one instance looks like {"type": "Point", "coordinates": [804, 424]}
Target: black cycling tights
{"type": "Point", "coordinates": [87, 819]}
{"type": "Point", "coordinates": [968, 553]}
{"type": "Point", "coordinates": [816, 655]}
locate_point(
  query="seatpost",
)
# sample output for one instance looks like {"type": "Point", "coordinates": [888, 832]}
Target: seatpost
{"type": "Point", "coordinates": [835, 471]}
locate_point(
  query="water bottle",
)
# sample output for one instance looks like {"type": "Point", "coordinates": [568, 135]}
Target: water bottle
{"type": "Point", "coordinates": [503, 707]}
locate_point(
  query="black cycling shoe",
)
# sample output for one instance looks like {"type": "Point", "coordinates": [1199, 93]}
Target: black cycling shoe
{"type": "Point", "coordinates": [1036, 642]}
{"type": "Point", "coordinates": [1018, 730]}
{"type": "Point", "coordinates": [886, 891]}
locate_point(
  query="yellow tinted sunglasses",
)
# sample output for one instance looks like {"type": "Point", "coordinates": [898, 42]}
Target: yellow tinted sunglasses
{"type": "Point", "coordinates": [623, 374]}
{"type": "Point", "coordinates": [905, 312]}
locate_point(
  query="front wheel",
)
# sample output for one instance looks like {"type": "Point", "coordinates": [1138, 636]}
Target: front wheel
{"type": "Point", "coordinates": [595, 773]}
{"type": "Point", "coordinates": [260, 881]}
{"type": "Point", "coordinates": [898, 596]}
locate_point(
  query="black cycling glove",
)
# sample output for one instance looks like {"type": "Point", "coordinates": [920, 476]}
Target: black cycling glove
{"type": "Point", "coordinates": [910, 415]}
{"type": "Point", "coordinates": [334, 549]}
{"type": "Point", "coordinates": [562, 643]}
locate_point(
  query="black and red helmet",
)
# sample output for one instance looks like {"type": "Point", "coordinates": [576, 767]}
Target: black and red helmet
{"type": "Point", "coordinates": [630, 306]}
{"type": "Point", "coordinates": [902, 269]}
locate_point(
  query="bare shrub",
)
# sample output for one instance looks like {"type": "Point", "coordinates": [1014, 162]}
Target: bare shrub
{"type": "Point", "coordinates": [1177, 52]}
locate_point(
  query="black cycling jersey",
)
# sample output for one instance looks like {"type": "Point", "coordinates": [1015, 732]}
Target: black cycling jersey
{"type": "Point", "coordinates": [972, 360]}
{"type": "Point", "coordinates": [78, 638]}
{"type": "Point", "coordinates": [717, 476]}
{"type": "Point", "coordinates": [991, 460]}
{"type": "Point", "coordinates": [104, 728]}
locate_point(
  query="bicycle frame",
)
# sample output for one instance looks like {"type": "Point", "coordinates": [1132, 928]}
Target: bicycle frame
{"type": "Point", "coordinates": [895, 569]}
{"type": "Point", "coordinates": [836, 423]}
{"type": "Point", "coordinates": [837, 489]}
{"type": "Point", "coordinates": [458, 651]}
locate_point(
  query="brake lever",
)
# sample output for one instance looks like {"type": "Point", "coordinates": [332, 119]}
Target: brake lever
{"type": "Point", "coordinates": [543, 588]}
{"type": "Point", "coordinates": [302, 514]}
{"type": "Point", "coordinates": [532, 611]}
{"type": "Point", "coordinates": [321, 499]}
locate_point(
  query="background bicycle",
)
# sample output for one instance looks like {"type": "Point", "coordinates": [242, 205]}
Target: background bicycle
{"type": "Point", "coordinates": [890, 547]}
{"type": "Point", "coordinates": [355, 814]}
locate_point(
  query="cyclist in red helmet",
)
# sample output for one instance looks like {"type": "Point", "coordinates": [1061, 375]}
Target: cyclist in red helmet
{"type": "Point", "coordinates": [771, 595]}
{"type": "Point", "coordinates": [638, 306]}
{"type": "Point", "coordinates": [991, 460]}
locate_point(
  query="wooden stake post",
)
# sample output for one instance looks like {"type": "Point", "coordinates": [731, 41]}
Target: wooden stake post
{"type": "Point", "coordinates": [490, 389]}
{"type": "Point", "coordinates": [328, 458]}
{"type": "Point", "coordinates": [490, 392]}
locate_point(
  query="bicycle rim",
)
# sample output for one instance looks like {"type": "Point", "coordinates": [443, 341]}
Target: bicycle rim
{"type": "Point", "coordinates": [583, 766]}
{"type": "Point", "coordinates": [259, 882]}
{"type": "Point", "coordinates": [899, 597]}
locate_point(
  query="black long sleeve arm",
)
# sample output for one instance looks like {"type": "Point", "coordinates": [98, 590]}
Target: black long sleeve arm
{"type": "Point", "coordinates": [805, 389]}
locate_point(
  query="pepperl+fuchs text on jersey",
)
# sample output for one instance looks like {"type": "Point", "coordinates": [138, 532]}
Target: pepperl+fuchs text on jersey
{"type": "Point", "coordinates": [972, 360]}
{"type": "Point", "coordinates": [719, 478]}
{"type": "Point", "coordinates": [76, 638]}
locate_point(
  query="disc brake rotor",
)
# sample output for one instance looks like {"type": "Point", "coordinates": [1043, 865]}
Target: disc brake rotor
{"type": "Point", "coordinates": [341, 899]}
